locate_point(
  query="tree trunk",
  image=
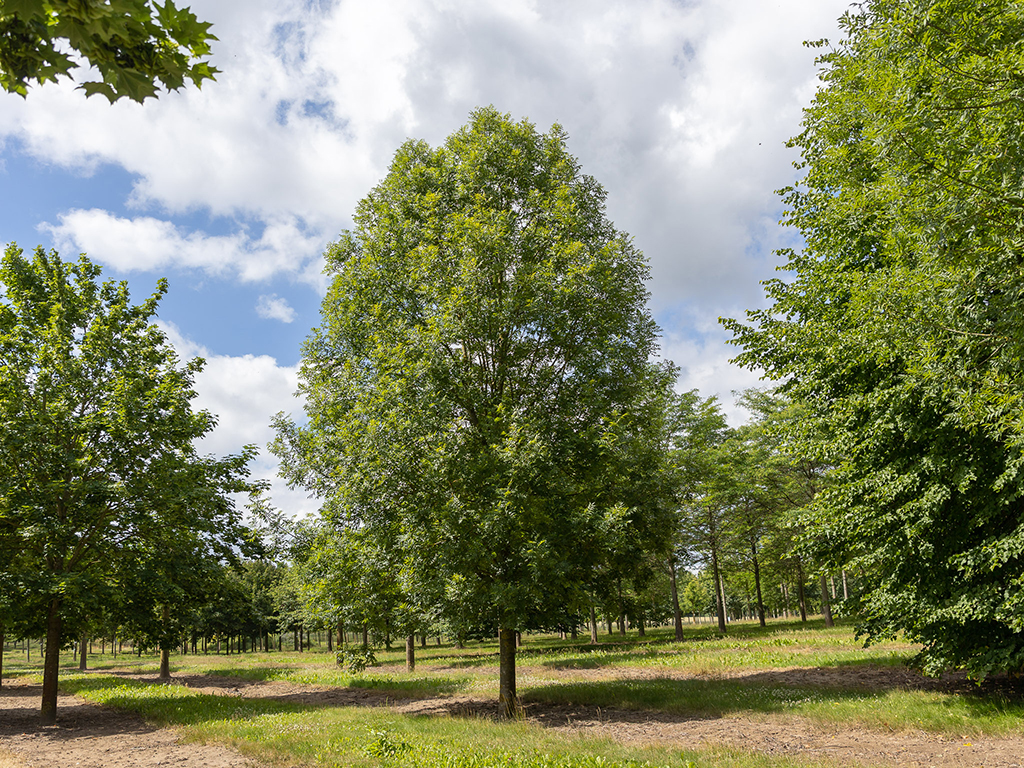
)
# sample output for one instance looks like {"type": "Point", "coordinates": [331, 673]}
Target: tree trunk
{"type": "Point", "coordinates": [640, 629]}
{"type": "Point", "coordinates": [508, 702]}
{"type": "Point", "coordinates": [410, 652]}
{"type": "Point", "coordinates": [593, 626]}
{"type": "Point", "coordinates": [51, 664]}
{"type": "Point", "coordinates": [165, 647]}
{"type": "Point", "coordinates": [82, 646]}
{"type": "Point", "coordinates": [719, 596]}
{"type": "Point", "coordinates": [801, 596]}
{"type": "Point", "coordinates": [366, 636]}
{"type": "Point", "coordinates": [826, 608]}
{"type": "Point", "coordinates": [2, 640]}
{"type": "Point", "coordinates": [757, 582]}
{"type": "Point", "coordinates": [677, 615]}
{"type": "Point", "coordinates": [846, 593]}
{"type": "Point", "coordinates": [330, 640]}
{"type": "Point", "coordinates": [423, 640]}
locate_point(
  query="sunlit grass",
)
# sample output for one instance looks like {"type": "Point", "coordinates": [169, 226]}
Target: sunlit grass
{"type": "Point", "coordinates": [292, 734]}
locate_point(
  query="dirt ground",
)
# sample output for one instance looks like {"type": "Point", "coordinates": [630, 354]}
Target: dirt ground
{"type": "Point", "coordinates": [90, 736]}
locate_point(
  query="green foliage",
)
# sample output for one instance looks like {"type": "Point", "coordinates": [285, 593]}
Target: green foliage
{"type": "Point", "coordinates": [105, 506]}
{"type": "Point", "coordinates": [899, 325]}
{"type": "Point", "coordinates": [137, 46]}
{"type": "Point", "coordinates": [355, 660]}
{"type": "Point", "coordinates": [479, 390]}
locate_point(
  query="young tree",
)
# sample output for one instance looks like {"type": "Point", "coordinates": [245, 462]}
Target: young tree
{"type": "Point", "coordinates": [900, 327]}
{"type": "Point", "coordinates": [96, 445]}
{"type": "Point", "coordinates": [136, 45]}
{"type": "Point", "coordinates": [485, 344]}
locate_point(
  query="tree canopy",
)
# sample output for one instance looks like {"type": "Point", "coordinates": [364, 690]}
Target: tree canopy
{"type": "Point", "coordinates": [137, 46]}
{"type": "Point", "coordinates": [899, 327]}
{"type": "Point", "coordinates": [102, 486]}
{"type": "Point", "coordinates": [481, 378]}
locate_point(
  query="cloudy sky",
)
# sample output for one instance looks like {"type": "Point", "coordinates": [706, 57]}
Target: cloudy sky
{"type": "Point", "coordinates": [680, 108]}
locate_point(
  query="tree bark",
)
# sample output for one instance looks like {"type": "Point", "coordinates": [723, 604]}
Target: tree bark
{"type": "Point", "coordinates": [677, 615]}
{"type": "Point", "coordinates": [410, 652]}
{"type": "Point", "coordinates": [757, 582]}
{"type": "Point", "coordinates": [508, 701]}
{"type": "Point", "coordinates": [2, 640]}
{"type": "Point", "coordinates": [826, 608]}
{"type": "Point", "coordinates": [165, 647]}
{"type": "Point", "coordinates": [593, 626]}
{"type": "Point", "coordinates": [800, 595]}
{"type": "Point", "coordinates": [51, 664]}
{"type": "Point", "coordinates": [82, 647]}
{"type": "Point", "coordinates": [719, 593]}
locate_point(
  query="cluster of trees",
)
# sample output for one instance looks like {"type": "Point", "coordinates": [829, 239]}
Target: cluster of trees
{"type": "Point", "coordinates": [497, 452]}
{"type": "Point", "coordinates": [495, 448]}
{"type": "Point", "coordinates": [106, 508]}
{"type": "Point", "coordinates": [898, 327]}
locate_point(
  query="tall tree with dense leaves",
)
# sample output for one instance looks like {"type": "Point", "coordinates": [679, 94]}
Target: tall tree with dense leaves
{"type": "Point", "coordinates": [96, 444]}
{"type": "Point", "coordinates": [485, 347]}
{"type": "Point", "coordinates": [137, 46]}
{"type": "Point", "coordinates": [899, 324]}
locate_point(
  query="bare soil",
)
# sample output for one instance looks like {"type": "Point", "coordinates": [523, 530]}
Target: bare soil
{"type": "Point", "coordinates": [89, 735]}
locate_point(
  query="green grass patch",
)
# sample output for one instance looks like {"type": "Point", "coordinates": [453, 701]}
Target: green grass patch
{"type": "Point", "coordinates": [894, 709]}
{"type": "Point", "coordinates": [293, 734]}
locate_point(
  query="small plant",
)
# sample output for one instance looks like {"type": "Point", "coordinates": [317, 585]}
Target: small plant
{"type": "Point", "coordinates": [356, 660]}
{"type": "Point", "coordinates": [385, 746]}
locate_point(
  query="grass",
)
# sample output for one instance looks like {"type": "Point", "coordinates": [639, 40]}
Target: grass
{"type": "Point", "coordinates": [289, 734]}
{"type": "Point", "coordinates": [752, 672]}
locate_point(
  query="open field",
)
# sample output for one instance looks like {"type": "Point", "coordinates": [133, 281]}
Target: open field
{"type": "Point", "coordinates": [787, 695]}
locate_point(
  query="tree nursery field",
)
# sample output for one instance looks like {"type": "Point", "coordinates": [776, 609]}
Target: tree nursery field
{"type": "Point", "coordinates": [790, 694]}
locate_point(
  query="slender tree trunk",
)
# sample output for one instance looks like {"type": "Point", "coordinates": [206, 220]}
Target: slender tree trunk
{"type": "Point", "coordinates": [677, 615]}
{"type": "Point", "coordinates": [2, 640]}
{"type": "Point", "coordinates": [826, 608]}
{"type": "Point", "coordinates": [593, 626]}
{"type": "Point", "coordinates": [423, 640]}
{"type": "Point", "coordinates": [846, 593]}
{"type": "Point", "coordinates": [719, 596]}
{"type": "Point", "coordinates": [82, 647]}
{"type": "Point", "coordinates": [800, 594]}
{"type": "Point", "coordinates": [410, 652]}
{"type": "Point", "coordinates": [366, 636]}
{"type": "Point", "coordinates": [508, 701]}
{"type": "Point", "coordinates": [51, 664]}
{"type": "Point", "coordinates": [165, 647]}
{"type": "Point", "coordinates": [330, 640]}
{"type": "Point", "coordinates": [757, 582]}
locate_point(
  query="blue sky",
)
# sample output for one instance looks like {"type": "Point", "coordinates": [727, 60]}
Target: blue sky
{"type": "Point", "coordinates": [679, 108]}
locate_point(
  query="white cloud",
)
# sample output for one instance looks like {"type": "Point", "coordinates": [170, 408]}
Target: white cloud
{"type": "Point", "coordinates": [243, 393]}
{"type": "Point", "coordinates": [147, 244]}
{"type": "Point", "coordinates": [274, 308]}
{"type": "Point", "coordinates": [680, 109]}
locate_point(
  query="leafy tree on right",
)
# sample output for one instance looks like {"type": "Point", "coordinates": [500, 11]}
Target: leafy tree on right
{"type": "Point", "coordinates": [898, 324]}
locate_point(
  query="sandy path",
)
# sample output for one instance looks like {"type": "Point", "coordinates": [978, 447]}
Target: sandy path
{"type": "Point", "coordinates": [90, 736]}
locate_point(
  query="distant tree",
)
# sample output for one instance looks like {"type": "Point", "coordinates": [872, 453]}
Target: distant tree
{"type": "Point", "coordinates": [485, 345]}
{"type": "Point", "coordinates": [138, 46]}
{"type": "Point", "coordinates": [899, 323]}
{"type": "Point", "coordinates": [96, 445]}
{"type": "Point", "coordinates": [707, 487]}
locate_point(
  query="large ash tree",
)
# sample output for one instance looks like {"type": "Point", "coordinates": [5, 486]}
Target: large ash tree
{"type": "Point", "coordinates": [900, 326]}
{"type": "Point", "coordinates": [101, 484]}
{"type": "Point", "coordinates": [480, 375]}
